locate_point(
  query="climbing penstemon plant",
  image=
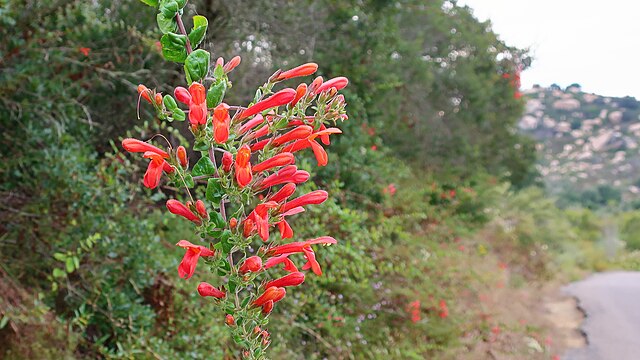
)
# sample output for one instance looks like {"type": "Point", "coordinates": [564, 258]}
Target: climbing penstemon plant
{"type": "Point", "coordinates": [252, 190]}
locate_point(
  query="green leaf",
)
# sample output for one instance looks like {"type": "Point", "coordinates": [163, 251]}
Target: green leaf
{"type": "Point", "coordinates": [217, 220]}
{"type": "Point", "coordinates": [201, 145]}
{"type": "Point", "coordinates": [204, 166]}
{"type": "Point", "coordinates": [187, 76]}
{"type": "Point", "coordinates": [179, 115]}
{"type": "Point", "coordinates": [153, 3]}
{"type": "Point", "coordinates": [200, 24]}
{"type": "Point", "coordinates": [170, 102]}
{"type": "Point", "coordinates": [245, 301]}
{"type": "Point", "coordinates": [4, 321]}
{"type": "Point", "coordinates": [58, 273]}
{"type": "Point", "coordinates": [189, 180]}
{"type": "Point", "coordinates": [76, 262]}
{"type": "Point", "coordinates": [60, 256]}
{"type": "Point", "coordinates": [173, 47]}
{"type": "Point", "coordinates": [70, 266]}
{"type": "Point", "coordinates": [218, 72]}
{"type": "Point", "coordinates": [214, 190]}
{"type": "Point", "coordinates": [197, 64]}
{"type": "Point", "coordinates": [169, 8]}
{"type": "Point", "coordinates": [216, 94]}
{"type": "Point", "coordinates": [166, 24]}
{"type": "Point", "coordinates": [181, 3]}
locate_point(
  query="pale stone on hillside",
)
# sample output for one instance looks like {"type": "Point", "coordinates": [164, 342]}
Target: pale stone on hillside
{"type": "Point", "coordinates": [563, 127]}
{"type": "Point", "coordinates": [589, 98]}
{"type": "Point", "coordinates": [598, 142]}
{"type": "Point", "coordinates": [634, 127]}
{"type": "Point", "coordinates": [573, 89]}
{"type": "Point", "coordinates": [603, 113]}
{"type": "Point", "coordinates": [548, 122]}
{"type": "Point", "coordinates": [533, 105]}
{"type": "Point", "coordinates": [615, 116]}
{"type": "Point", "coordinates": [528, 122]}
{"type": "Point", "coordinates": [618, 157]}
{"type": "Point", "coordinates": [566, 104]}
{"type": "Point", "coordinates": [634, 189]}
{"type": "Point", "coordinates": [577, 133]}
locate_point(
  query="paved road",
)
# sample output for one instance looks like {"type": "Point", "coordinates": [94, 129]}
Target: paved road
{"type": "Point", "coordinates": [611, 302]}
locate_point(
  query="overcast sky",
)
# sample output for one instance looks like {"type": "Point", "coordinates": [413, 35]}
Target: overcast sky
{"type": "Point", "coordinates": [594, 43]}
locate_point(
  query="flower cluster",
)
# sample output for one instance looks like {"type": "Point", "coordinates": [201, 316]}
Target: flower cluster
{"type": "Point", "coordinates": [241, 224]}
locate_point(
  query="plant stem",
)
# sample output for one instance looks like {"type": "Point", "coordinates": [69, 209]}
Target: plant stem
{"type": "Point", "coordinates": [183, 32]}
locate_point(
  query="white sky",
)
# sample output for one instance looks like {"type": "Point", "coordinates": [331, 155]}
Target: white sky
{"type": "Point", "coordinates": [594, 43]}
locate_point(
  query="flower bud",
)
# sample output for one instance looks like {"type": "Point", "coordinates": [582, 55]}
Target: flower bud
{"type": "Point", "coordinates": [227, 161]}
{"type": "Point", "coordinates": [267, 308]}
{"type": "Point", "coordinates": [249, 225]}
{"type": "Point", "coordinates": [181, 94]}
{"type": "Point", "coordinates": [257, 330]}
{"type": "Point", "coordinates": [144, 92]}
{"type": "Point", "coordinates": [302, 70]}
{"type": "Point", "coordinates": [181, 154]}
{"type": "Point", "coordinates": [201, 209]}
{"type": "Point", "coordinates": [301, 91]}
{"type": "Point", "coordinates": [233, 223]}
{"type": "Point", "coordinates": [220, 61]}
{"type": "Point", "coordinates": [159, 99]}
{"type": "Point", "coordinates": [317, 82]}
{"type": "Point", "coordinates": [206, 289]}
{"type": "Point", "coordinates": [229, 320]}
{"type": "Point", "coordinates": [252, 264]}
{"type": "Point", "coordinates": [293, 279]}
{"type": "Point", "coordinates": [232, 64]}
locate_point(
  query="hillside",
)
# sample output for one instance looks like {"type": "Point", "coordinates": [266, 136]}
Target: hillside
{"type": "Point", "coordinates": [587, 144]}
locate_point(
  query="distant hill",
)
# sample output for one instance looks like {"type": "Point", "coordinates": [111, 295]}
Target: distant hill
{"type": "Point", "coordinates": [588, 144]}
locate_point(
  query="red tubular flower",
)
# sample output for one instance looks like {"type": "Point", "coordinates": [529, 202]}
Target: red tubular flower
{"type": "Point", "coordinates": [137, 146]}
{"type": "Point", "coordinates": [181, 94]}
{"type": "Point", "coordinates": [259, 145]}
{"type": "Point", "coordinates": [286, 232]}
{"type": "Point", "coordinates": [293, 279]}
{"type": "Point", "coordinates": [202, 211]}
{"type": "Point", "coordinates": [288, 264]}
{"type": "Point", "coordinates": [304, 247]}
{"type": "Point", "coordinates": [243, 166]}
{"type": "Point", "coordinates": [267, 307]}
{"type": "Point", "coordinates": [286, 174]}
{"type": "Point", "coordinates": [444, 310]}
{"type": "Point", "coordinates": [315, 197]}
{"type": "Point", "coordinates": [167, 167]}
{"type": "Point", "coordinates": [178, 208]}
{"type": "Point", "coordinates": [221, 121]}
{"type": "Point", "coordinates": [284, 193]}
{"type": "Point", "coordinates": [154, 171]}
{"type": "Point", "coordinates": [319, 152]}
{"type": "Point", "coordinates": [260, 216]}
{"type": "Point", "coordinates": [145, 93]}
{"type": "Point", "coordinates": [190, 260]}
{"type": "Point", "coordinates": [206, 289]}
{"type": "Point", "coordinates": [198, 104]}
{"type": "Point", "coordinates": [280, 98]}
{"type": "Point", "coordinates": [296, 247]}
{"type": "Point", "coordinates": [257, 120]}
{"type": "Point", "coordinates": [232, 64]}
{"type": "Point", "coordinates": [317, 82]}
{"type": "Point", "coordinates": [281, 159]}
{"type": "Point", "coordinates": [302, 70]}
{"type": "Point", "coordinates": [301, 91]}
{"type": "Point", "coordinates": [300, 132]}
{"type": "Point", "coordinates": [338, 83]}
{"type": "Point", "coordinates": [181, 154]}
{"type": "Point", "coordinates": [274, 294]}
{"type": "Point", "coordinates": [227, 161]}
{"type": "Point", "coordinates": [248, 227]}
{"type": "Point", "coordinates": [252, 264]}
